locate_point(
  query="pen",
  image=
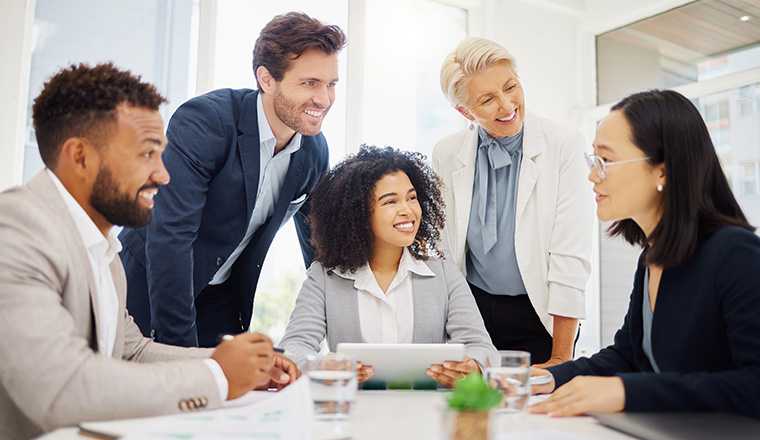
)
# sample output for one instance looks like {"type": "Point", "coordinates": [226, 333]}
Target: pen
{"type": "Point", "coordinates": [229, 337]}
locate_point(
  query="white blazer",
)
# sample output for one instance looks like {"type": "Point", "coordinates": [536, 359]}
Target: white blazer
{"type": "Point", "coordinates": [555, 212]}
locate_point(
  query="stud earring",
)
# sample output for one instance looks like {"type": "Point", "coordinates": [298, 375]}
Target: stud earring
{"type": "Point", "coordinates": [659, 188]}
{"type": "Point", "coordinates": [472, 126]}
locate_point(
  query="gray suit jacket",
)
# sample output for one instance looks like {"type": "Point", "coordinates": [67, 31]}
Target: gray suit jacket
{"type": "Point", "coordinates": [444, 311]}
{"type": "Point", "coordinates": [51, 374]}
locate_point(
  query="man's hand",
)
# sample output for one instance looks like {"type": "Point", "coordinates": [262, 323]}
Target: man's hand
{"type": "Point", "coordinates": [283, 373]}
{"type": "Point", "coordinates": [450, 372]}
{"type": "Point", "coordinates": [584, 394]}
{"type": "Point", "coordinates": [246, 361]}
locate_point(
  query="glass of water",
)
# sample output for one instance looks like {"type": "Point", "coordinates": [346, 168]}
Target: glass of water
{"type": "Point", "coordinates": [333, 385]}
{"type": "Point", "coordinates": [511, 378]}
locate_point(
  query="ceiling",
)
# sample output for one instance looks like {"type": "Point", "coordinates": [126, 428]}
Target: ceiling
{"type": "Point", "coordinates": [699, 30]}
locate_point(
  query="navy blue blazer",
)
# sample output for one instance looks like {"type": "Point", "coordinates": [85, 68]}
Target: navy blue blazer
{"type": "Point", "coordinates": [201, 216]}
{"type": "Point", "coordinates": [705, 334]}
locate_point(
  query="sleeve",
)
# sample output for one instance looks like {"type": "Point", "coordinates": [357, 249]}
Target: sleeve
{"type": "Point", "coordinates": [49, 371]}
{"type": "Point", "coordinates": [464, 323]}
{"type": "Point", "coordinates": [737, 277]}
{"type": "Point", "coordinates": [570, 243]}
{"type": "Point", "coordinates": [307, 326]}
{"type": "Point", "coordinates": [197, 147]}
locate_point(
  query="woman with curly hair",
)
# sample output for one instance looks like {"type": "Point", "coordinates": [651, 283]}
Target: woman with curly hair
{"type": "Point", "coordinates": [378, 276]}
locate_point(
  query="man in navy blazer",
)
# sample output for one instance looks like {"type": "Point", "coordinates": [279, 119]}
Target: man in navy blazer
{"type": "Point", "coordinates": [242, 163]}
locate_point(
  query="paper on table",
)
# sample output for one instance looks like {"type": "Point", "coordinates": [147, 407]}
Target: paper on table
{"type": "Point", "coordinates": [286, 415]}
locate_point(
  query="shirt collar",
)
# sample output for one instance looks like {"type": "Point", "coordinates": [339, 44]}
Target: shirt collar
{"type": "Point", "coordinates": [94, 241]}
{"type": "Point", "coordinates": [363, 277]}
{"type": "Point", "coordinates": [266, 137]}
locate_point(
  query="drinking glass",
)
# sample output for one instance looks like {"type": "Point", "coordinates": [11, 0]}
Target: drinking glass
{"type": "Point", "coordinates": [333, 385]}
{"type": "Point", "coordinates": [511, 378]}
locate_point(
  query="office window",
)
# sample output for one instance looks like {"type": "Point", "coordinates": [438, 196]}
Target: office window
{"type": "Point", "coordinates": [699, 41]}
{"type": "Point", "coordinates": [150, 38]}
{"type": "Point", "coordinates": [750, 183]}
{"type": "Point", "coordinates": [404, 46]}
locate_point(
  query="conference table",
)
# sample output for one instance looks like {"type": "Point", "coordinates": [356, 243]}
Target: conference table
{"type": "Point", "coordinates": [418, 415]}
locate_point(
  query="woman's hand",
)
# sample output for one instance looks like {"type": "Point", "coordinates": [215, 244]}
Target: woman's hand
{"type": "Point", "coordinates": [450, 372]}
{"type": "Point", "coordinates": [364, 372]}
{"type": "Point", "coordinates": [554, 360]}
{"type": "Point", "coordinates": [545, 388]}
{"type": "Point", "coordinates": [584, 394]}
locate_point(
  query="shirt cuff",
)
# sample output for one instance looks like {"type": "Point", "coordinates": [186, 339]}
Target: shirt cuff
{"type": "Point", "coordinates": [219, 377]}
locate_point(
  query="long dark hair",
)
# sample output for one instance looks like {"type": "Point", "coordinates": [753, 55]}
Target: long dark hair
{"type": "Point", "coordinates": [697, 199]}
{"type": "Point", "coordinates": [341, 205]}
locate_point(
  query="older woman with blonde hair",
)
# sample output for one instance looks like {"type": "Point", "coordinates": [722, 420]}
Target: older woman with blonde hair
{"type": "Point", "coordinates": [518, 222]}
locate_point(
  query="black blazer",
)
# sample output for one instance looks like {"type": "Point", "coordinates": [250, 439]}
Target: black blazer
{"type": "Point", "coordinates": [705, 334]}
{"type": "Point", "coordinates": [201, 216]}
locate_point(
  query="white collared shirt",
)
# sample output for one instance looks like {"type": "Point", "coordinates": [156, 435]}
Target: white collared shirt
{"type": "Point", "coordinates": [100, 251]}
{"type": "Point", "coordinates": [387, 317]}
{"type": "Point", "coordinates": [272, 171]}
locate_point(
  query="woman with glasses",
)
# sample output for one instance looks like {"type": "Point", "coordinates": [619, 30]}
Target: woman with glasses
{"type": "Point", "coordinates": [691, 338]}
{"type": "Point", "coordinates": [518, 223]}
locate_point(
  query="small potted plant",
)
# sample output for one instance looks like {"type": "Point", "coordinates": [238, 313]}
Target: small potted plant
{"type": "Point", "coordinates": [469, 408]}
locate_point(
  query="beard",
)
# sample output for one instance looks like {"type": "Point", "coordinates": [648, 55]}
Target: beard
{"type": "Point", "coordinates": [292, 115]}
{"type": "Point", "coordinates": [118, 207]}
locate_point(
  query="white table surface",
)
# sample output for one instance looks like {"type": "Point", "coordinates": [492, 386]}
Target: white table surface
{"type": "Point", "coordinates": [416, 415]}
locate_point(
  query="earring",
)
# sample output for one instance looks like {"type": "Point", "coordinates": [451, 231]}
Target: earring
{"type": "Point", "coordinates": [472, 126]}
{"type": "Point", "coordinates": [659, 188]}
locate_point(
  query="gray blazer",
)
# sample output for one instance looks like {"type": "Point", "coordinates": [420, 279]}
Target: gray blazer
{"type": "Point", "coordinates": [51, 374]}
{"type": "Point", "coordinates": [444, 311]}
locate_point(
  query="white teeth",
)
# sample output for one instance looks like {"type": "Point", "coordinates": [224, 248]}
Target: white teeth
{"type": "Point", "coordinates": [508, 118]}
{"type": "Point", "coordinates": [313, 112]}
{"type": "Point", "coordinates": [404, 225]}
{"type": "Point", "coordinates": [147, 194]}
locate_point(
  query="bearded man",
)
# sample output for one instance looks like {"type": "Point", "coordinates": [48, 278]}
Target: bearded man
{"type": "Point", "coordinates": [243, 162]}
{"type": "Point", "coordinates": [70, 351]}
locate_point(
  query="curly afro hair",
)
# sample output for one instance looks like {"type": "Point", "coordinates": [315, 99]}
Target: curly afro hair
{"type": "Point", "coordinates": [342, 200]}
{"type": "Point", "coordinates": [81, 101]}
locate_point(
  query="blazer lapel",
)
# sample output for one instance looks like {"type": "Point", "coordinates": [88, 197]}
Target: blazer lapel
{"type": "Point", "coordinates": [249, 150]}
{"type": "Point", "coordinates": [292, 180]}
{"type": "Point", "coordinates": [533, 145]}
{"type": "Point", "coordinates": [120, 283]}
{"type": "Point", "coordinates": [43, 185]}
{"type": "Point", "coordinates": [463, 180]}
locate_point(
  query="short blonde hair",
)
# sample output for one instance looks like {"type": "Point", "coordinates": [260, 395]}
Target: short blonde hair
{"type": "Point", "coordinates": [472, 55]}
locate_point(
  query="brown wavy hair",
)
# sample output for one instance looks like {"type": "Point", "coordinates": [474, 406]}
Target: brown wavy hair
{"type": "Point", "coordinates": [286, 37]}
{"type": "Point", "coordinates": [341, 205]}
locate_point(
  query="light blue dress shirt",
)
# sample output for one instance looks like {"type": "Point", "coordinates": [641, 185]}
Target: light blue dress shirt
{"type": "Point", "coordinates": [272, 171]}
{"type": "Point", "coordinates": [491, 259]}
{"type": "Point", "coordinates": [647, 315]}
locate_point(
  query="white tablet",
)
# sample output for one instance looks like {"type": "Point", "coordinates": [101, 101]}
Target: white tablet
{"type": "Point", "coordinates": [402, 366]}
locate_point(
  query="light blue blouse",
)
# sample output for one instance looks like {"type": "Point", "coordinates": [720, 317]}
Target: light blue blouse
{"type": "Point", "coordinates": [491, 260]}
